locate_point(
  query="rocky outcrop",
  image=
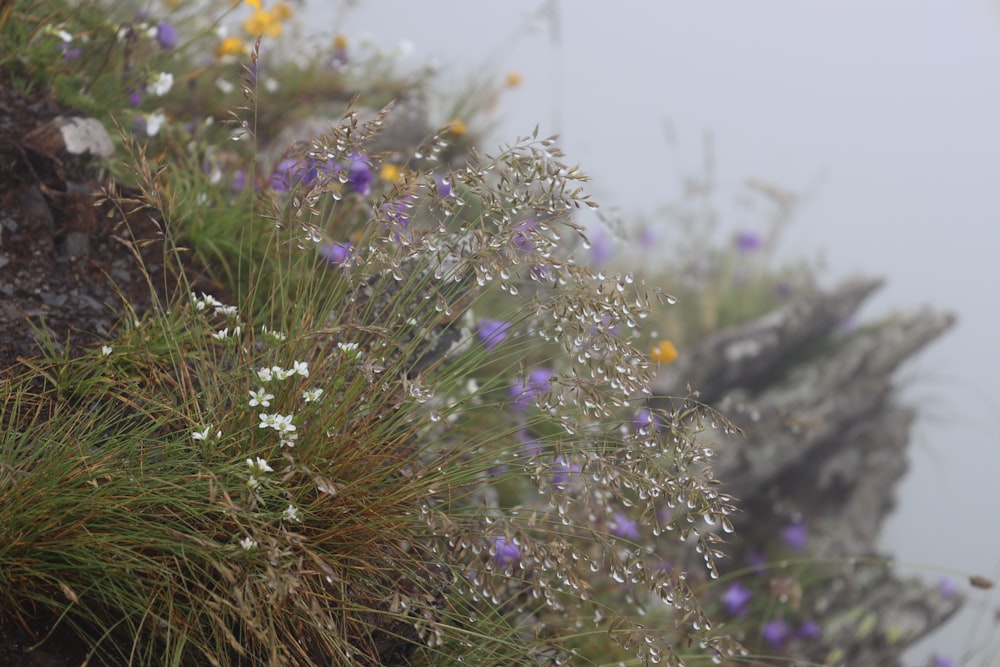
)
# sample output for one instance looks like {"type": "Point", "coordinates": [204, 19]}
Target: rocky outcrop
{"type": "Point", "coordinates": [823, 442]}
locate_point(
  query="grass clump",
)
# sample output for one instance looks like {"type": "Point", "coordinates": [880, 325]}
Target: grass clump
{"type": "Point", "coordinates": [406, 428]}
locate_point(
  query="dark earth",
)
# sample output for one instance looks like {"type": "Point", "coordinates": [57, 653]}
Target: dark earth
{"type": "Point", "coordinates": [69, 261]}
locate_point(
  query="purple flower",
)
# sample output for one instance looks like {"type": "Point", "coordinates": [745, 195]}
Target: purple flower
{"type": "Point", "coordinates": [648, 237]}
{"type": "Point", "coordinates": [747, 242]}
{"type": "Point", "coordinates": [622, 526]}
{"type": "Point", "coordinates": [239, 180]}
{"type": "Point", "coordinates": [947, 588]}
{"type": "Point", "coordinates": [664, 515]}
{"type": "Point", "coordinates": [736, 599]}
{"type": "Point", "coordinates": [606, 327]}
{"type": "Point", "coordinates": [529, 446]}
{"type": "Point", "coordinates": [492, 332]}
{"type": "Point", "coordinates": [538, 382]}
{"type": "Point", "coordinates": [522, 235]}
{"type": "Point", "coordinates": [166, 35]}
{"type": "Point", "coordinates": [776, 633]}
{"type": "Point", "coordinates": [808, 630]}
{"type": "Point", "coordinates": [443, 187]}
{"type": "Point", "coordinates": [290, 172]}
{"type": "Point", "coordinates": [602, 247]}
{"type": "Point", "coordinates": [359, 174]}
{"type": "Point", "coordinates": [336, 253]}
{"type": "Point", "coordinates": [561, 471]}
{"type": "Point", "coordinates": [941, 661]}
{"type": "Point", "coordinates": [645, 422]}
{"type": "Point", "coordinates": [498, 469]}
{"type": "Point", "coordinates": [757, 562]}
{"type": "Point", "coordinates": [69, 52]}
{"type": "Point", "coordinates": [135, 98]}
{"type": "Point", "coordinates": [504, 552]}
{"type": "Point", "coordinates": [795, 536]}
{"type": "Point", "coordinates": [398, 211]}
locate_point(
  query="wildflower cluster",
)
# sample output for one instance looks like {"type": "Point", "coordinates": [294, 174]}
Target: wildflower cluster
{"type": "Point", "coordinates": [421, 430]}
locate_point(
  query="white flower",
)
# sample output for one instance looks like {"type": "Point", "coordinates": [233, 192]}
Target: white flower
{"type": "Point", "coordinates": [162, 84]}
{"type": "Point", "coordinates": [201, 435]}
{"type": "Point", "coordinates": [252, 483]}
{"type": "Point", "coordinates": [204, 301]}
{"type": "Point", "coordinates": [348, 347]}
{"type": "Point", "coordinates": [154, 122]}
{"type": "Point", "coordinates": [225, 87]}
{"type": "Point", "coordinates": [274, 335]}
{"type": "Point", "coordinates": [283, 423]}
{"type": "Point", "coordinates": [221, 335]}
{"type": "Point", "coordinates": [310, 395]}
{"type": "Point", "coordinates": [271, 85]}
{"type": "Point", "coordinates": [260, 465]}
{"type": "Point", "coordinates": [248, 543]}
{"type": "Point", "coordinates": [300, 367]}
{"type": "Point", "coordinates": [264, 374]}
{"type": "Point", "coordinates": [106, 350]}
{"type": "Point", "coordinates": [291, 513]}
{"type": "Point", "coordinates": [288, 440]}
{"type": "Point", "coordinates": [280, 373]}
{"type": "Point", "coordinates": [228, 311]}
{"type": "Point", "coordinates": [261, 398]}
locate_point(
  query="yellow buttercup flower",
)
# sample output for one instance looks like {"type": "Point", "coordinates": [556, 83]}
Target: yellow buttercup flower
{"type": "Point", "coordinates": [340, 42]}
{"type": "Point", "coordinates": [456, 126]}
{"type": "Point", "coordinates": [282, 11]}
{"type": "Point", "coordinates": [664, 352]}
{"type": "Point", "coordinates": [266, 22]}
{"type": "Point", "coordinates": [230, 46]}
{"type": "Point", "coordinates": [513, 79]}
{"type": "Point", "coordinates": [389, 172]}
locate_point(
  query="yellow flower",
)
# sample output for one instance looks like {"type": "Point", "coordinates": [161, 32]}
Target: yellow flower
{"type": "Point", "coordinates": [266, 22]}
{"type": "Point", "coordinates": [262, 22]}
{"type": "Point", "coordinates": [340, 42]}
{"type": "Point", "coordinates": [282, 11]}
{"type": "Point", "coordinates": [389, 172]}
{"type": "Point", "coordinates": [230, 46]}
{"type": "Point", "coordinates": [456, 126]}
{"type": "Point", "coordinates": [664, 352]}
{"type": "Point", "coordinates": [513, 79]}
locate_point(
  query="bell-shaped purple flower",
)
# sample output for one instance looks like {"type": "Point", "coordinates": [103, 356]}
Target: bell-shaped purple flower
{"type": "Point", "coordinates": [562, 470]}
{"type": "Point", "coordinates": [747, 242]}
{"type": "Point", "coordinates": [622, 526]}
{"type": "Point", "coordinates": [492, 332]}
{"type": "Point", "coordinates": [443, 187]}
{"type": "Point", "coordinates": [359, 174]}
{"type": "Point", "coordinates": [537, 383]}
{"type": "Point", "coordinates": [795, 536]}
{"type": "Point", "coordinates": [776, 633]}
{"type": "Point", "coordinates": [337, 253]}
{"type": "Point", "coordinates": [736, 599]}
{"type": "Point", "coordinates": [808, 630]}
{"type": "Point", "coordinates": [504, 552]}
{"type": "Point", "coordinates": [166, 36]}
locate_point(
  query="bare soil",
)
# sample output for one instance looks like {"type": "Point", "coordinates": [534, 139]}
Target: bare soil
{"type": "Point", "coordinates": [68, 266]}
